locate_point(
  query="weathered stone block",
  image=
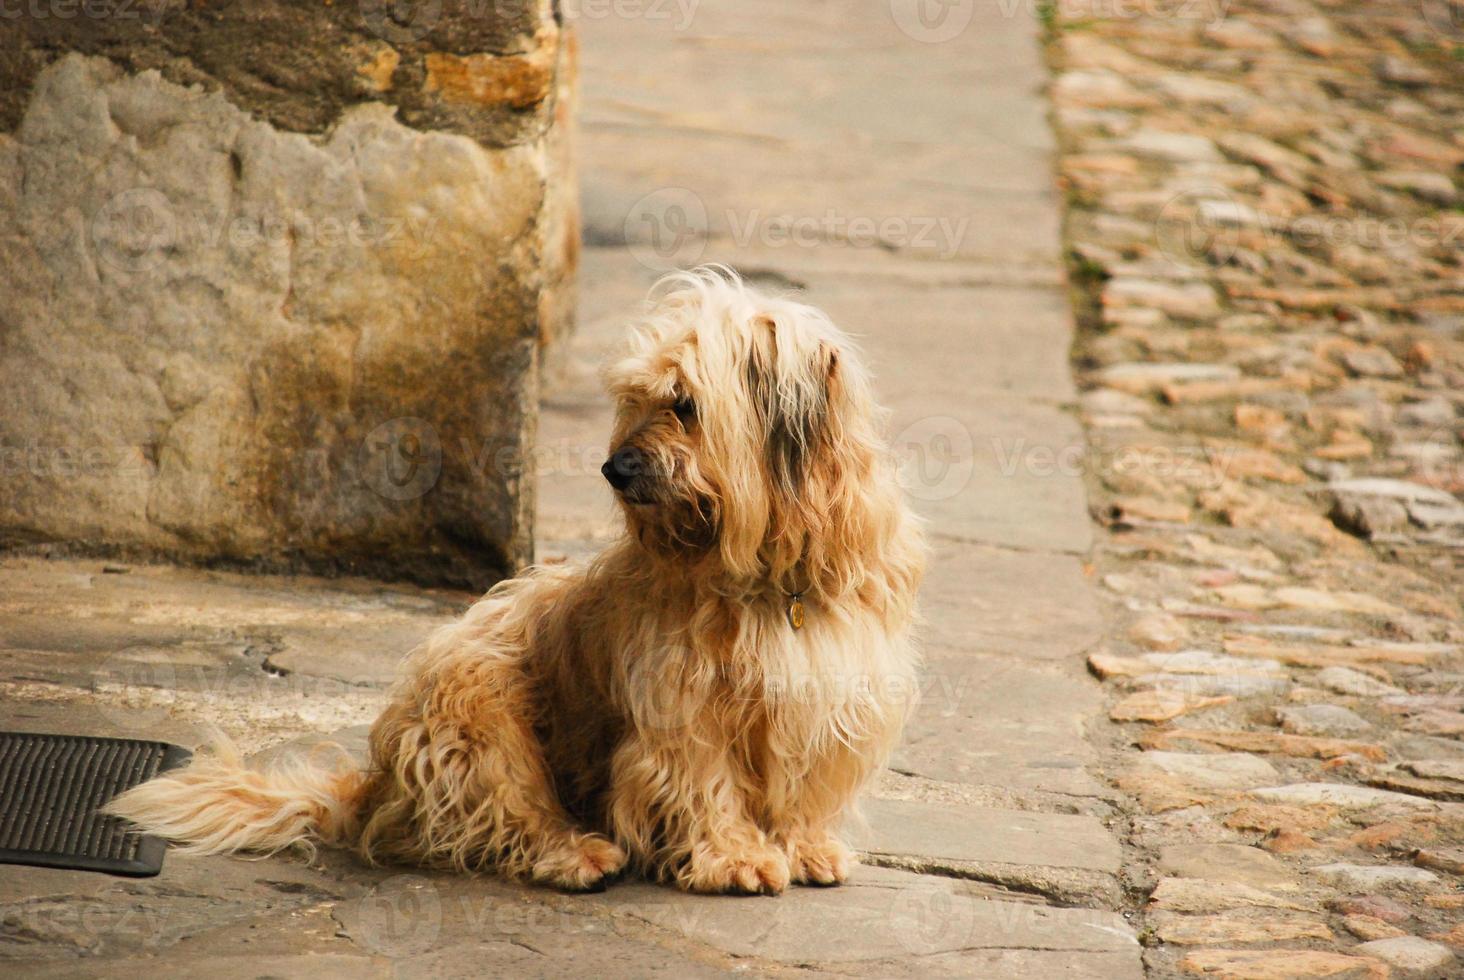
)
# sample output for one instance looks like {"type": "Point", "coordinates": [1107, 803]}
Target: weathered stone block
{"type": "Point", "coordinates": [277, 277]}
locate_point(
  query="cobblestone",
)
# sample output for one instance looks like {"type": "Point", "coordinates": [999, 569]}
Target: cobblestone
{"type": "Point", "coordinates": [1268, 262]}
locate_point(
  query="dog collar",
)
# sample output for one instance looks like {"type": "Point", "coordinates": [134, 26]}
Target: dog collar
{"type": "Point", "coordinates": [795, 610]}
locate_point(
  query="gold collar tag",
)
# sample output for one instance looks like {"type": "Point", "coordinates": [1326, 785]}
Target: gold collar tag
{"type": "Point", "coordinates": [795, 612]}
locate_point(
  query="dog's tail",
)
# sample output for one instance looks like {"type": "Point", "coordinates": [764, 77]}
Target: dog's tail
{"type": "Point", "coordinates": [219, 805]}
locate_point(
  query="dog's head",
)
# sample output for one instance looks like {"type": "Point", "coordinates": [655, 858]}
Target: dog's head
{"type": "Point", "coordinates": [745, 433]}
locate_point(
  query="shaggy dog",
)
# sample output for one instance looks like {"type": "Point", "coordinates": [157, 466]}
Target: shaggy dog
{"type": "Point", "coordinates": [702, 702]}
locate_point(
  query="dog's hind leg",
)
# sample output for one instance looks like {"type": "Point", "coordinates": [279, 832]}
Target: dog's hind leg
{"type": "Point", "coordinates": [458, 779]}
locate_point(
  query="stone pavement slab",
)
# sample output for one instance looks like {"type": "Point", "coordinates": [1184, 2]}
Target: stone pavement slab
{"type": "Point", "coordinates": [229, 917]}
{"type": "Point", "coordinates": [884, 911]}
{"type": "Point", "coordinates": [1018, 466]}
{"type": "Point", "coordinates": [151, 649]}
{"type": "Point", "coordinates": [993, 722]}
{"type": "Point", "coordinates": [1068, 858]}
{"type": "Point", "coordinates": [857, 119]}
{"type": "Point", "coordinates": [943, 831]}
{"type": "Point", "coordinates": [1031, 606]}
{"type": "Point", "coordinates": [920, 338]}
{"type": "Point", "coordinates": [1015, 963]}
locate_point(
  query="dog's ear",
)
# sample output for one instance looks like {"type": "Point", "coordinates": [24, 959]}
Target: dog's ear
{"type": "Point", "coordinates": [793, 404]}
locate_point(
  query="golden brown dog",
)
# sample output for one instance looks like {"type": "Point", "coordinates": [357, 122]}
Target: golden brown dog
{"type": "Point", "coordinates": [703, 701]}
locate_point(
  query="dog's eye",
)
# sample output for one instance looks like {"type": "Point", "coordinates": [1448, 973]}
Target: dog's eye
{"type": "Point", "coordinates": [685, 409]}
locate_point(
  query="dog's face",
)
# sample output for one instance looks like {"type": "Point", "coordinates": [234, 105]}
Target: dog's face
{"type": "Point", "coordinates": [743, 427]}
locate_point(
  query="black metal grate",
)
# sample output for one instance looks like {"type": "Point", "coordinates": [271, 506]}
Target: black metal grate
{"type": "Point", "coordinates": [51, 787]}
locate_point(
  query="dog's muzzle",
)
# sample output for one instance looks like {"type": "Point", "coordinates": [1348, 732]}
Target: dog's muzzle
{"type": "Point", "coordinates": [623, 467]}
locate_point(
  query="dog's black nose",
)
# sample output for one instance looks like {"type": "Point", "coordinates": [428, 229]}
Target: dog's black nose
{"type": "Point", "coordinates": [623, 466]}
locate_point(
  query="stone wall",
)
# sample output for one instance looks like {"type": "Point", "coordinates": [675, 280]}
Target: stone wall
{"type": "Point", "coordinates": [277, 278]}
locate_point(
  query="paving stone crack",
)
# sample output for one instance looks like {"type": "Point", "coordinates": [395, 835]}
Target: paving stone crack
{"type": "Point", "coordinates": [954, 538]}
{"type": "Point", "coordinates": [1058, 887]}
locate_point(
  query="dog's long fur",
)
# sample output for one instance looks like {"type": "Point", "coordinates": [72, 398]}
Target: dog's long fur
{"type": "Point", "coordinates": [654, 706]}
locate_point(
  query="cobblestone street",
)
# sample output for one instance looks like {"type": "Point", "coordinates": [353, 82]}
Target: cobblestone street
{"type": "Point", "coordinates": [1267, 249]}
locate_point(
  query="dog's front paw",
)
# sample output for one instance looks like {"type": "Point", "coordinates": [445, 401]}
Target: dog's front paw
{"type": "Point", "coordinates": [749, 870]}
{"type": "Point", "coordinates": [579, 863]}
{"type": "Point", "coordinates": [823, 862]}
